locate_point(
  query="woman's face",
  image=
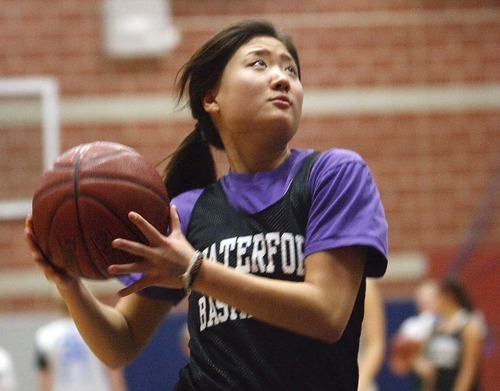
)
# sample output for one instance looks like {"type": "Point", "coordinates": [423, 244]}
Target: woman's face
{"type": "Point", "coordinates": [445, 301]}
{"type": "Point", "coordinates": [259, 92]}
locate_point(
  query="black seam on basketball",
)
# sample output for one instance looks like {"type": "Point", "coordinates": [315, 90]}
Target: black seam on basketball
{"type": "Point", "coordinates": [47, 254]}
{"type": "Point", "coordinates": [96, 159]}
{"type": "Point", "coordinates": [125, 180]}
{"type": "Point", "coordinates": [63, 182]}
{"type": "Point", "coordinates": [123, 219]}
{"type": "Point", "coordinates": [77, 207]}
{"type": "Point", "coordinates": [50, 188]}
{"type": "Point", "coordinates": [135, 233]}
{"type": "Point", "coordinates": [52, 217]}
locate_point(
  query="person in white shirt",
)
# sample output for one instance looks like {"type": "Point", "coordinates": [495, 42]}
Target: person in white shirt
{"type": "Point", "coordinates": [414, 331]}
{"type": "Point", "coordinates": [65, 362]}
{"type": "Point", "coordinates": [8, 381]}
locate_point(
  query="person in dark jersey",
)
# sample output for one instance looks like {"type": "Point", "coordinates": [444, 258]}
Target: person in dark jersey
{"type": "Point", "coordinates": [274, 254]}
{"type": "Point", "coordinates": [452, 356]}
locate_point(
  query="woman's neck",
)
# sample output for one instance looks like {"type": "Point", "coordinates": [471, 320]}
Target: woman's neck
{"type": "Point", "coordinates": [450, 316]}
{"type": "Point", "coordinates": [252, 162]}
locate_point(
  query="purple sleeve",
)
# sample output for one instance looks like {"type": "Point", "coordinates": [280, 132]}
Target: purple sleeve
{"type": "Point", "coordinates": [184, 204]}
{"type": "Point", "coordinates": [346, 209]}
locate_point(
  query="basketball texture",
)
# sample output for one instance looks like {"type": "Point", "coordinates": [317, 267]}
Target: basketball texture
{"type": "Point", "coordinates": [81, 204]}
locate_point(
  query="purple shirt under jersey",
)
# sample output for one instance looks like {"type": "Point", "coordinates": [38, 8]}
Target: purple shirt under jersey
{"type": "Point", "coordinates": [345, 204]}
{"type": "Point", "coordinates": [346, 209]}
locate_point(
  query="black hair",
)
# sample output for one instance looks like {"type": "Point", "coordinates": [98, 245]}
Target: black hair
{"type": "Point", "coordinates": [454, 287]}
{"type": "Point", "coordinates": [192, 165]}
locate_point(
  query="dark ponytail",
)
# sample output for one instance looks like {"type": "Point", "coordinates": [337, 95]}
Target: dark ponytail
{"type": "Point", "coordinates": [454, 287]}
{"type": "Point", "coordinates": [192, 165]}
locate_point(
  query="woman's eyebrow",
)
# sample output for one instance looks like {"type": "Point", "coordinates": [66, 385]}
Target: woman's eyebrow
{"type": "Point", "coordinates": [264, 52]}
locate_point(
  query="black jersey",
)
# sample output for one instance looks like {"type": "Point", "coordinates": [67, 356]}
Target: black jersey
{"type": "Point", "coordinates": [230, 350]}
{"type": "Point", "coordinates": [445, 352]}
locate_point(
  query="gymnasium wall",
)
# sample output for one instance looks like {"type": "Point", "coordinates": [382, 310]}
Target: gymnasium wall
{"type": "Point", "coordinates": [413, 86]}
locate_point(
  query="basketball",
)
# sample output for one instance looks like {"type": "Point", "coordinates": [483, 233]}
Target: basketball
{"type": "Point", "coordinates": [401, 354]}
{"type": "Point", "coordinates": [81, 205]}
{"type": "Point", "coordinates": [405, 348]}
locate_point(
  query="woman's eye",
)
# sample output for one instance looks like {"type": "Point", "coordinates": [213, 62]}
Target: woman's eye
{"type": "Point", "coordinates": [291, 69]}
{"type": "Point", "coordinates": [259, 63]}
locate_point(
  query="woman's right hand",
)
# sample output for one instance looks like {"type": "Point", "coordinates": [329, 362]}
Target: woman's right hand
{"type": "Point", "coordinates": [59, 277]}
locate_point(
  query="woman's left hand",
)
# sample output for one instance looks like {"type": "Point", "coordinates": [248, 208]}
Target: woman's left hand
{"type": "Point", "coordinates": [164, 260]}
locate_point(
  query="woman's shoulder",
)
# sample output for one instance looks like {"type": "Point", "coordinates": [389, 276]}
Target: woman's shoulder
{"type": "Point", "coordinates": [475, 325]}
{"type": "Point", "coordinates": [337, 156]}
{"type": "Point", "coordinates": [187, 197]}
{"type": "Point", "coordinates": [184, 204]}
{"type": "Point", "coordinates": [335, 160]}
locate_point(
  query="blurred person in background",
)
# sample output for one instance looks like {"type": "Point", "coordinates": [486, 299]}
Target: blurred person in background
{"type": "Point", "coordinates": [8, 381]}
{"type": "Point", "coordinates": [452, 355]}
{"type": "Point", "coordinates": [65, 362]}
{"type": "Point", "coordinates": [413, 332]}
{"type": "Point", "coordinates": [373, 338]}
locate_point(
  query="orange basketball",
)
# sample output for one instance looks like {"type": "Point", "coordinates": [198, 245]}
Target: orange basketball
{"type": "Point", "coordinates": [401, 354]}
{"type": "Point", "coordinates": [81, 204]}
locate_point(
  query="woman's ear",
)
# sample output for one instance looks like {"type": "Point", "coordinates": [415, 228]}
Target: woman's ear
{"type": "Point", "coordinates": [210, 102]}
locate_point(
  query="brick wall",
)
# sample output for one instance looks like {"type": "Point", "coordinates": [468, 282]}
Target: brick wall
{"type": "Point", "coordinates": [434, 164]}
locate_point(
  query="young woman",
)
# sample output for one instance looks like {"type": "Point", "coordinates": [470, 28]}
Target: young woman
{"type": "Point", "coordinates": [413, 332]}
{"type": "Point", "coordinates": [451, 357]}
{"type": "Point", "coordinates": [274, 254]}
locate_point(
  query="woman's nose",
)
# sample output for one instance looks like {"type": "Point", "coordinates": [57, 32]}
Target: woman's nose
{"type": "Point", "coordinates": [280, 81]}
